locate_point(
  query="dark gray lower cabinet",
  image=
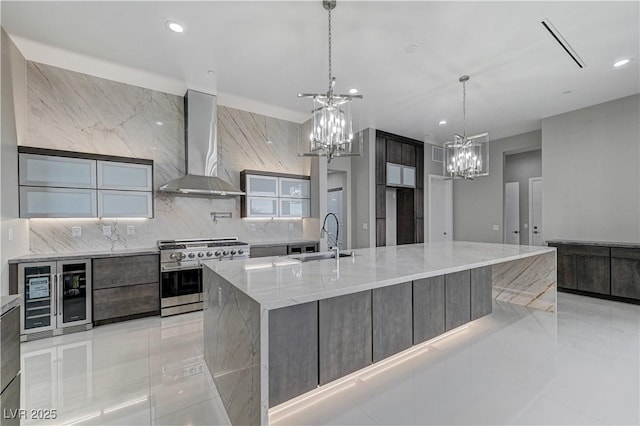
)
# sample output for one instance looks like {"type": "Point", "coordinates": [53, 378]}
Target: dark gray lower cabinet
{"type": "Point", "coordinates": [279, 250]}
{"type": "Point", "coordinates": [10, 403]}
{"type": "Point", "coordinates": [392, 331]}
{"type": "Point", "coordinates": [481, 292]}
{"type": "Point", "coordinates": [345, 335]}
{"type": "Point", "coordinates": [625, 273]}
{"type": "Point", "coordinates": [9, 346]}
{"type": "Point", "coordinates": [566, 270]}
{"type": "Point", "coordinates": [122, 302]}
{"type": "Point", "coordinates": [593, 274]}
{"type": "Point", "coordinates": [293, 351]}
{"type": "Point", "coordinates": [428, 308]}
{"type": "Point", "coordinates": [457, 299]}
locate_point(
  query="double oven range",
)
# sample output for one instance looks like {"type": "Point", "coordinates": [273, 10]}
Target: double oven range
{"type": "Point", "coordinates": [181, 269]}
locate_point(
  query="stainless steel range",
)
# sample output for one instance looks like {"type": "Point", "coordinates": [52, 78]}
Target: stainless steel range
{"type": "Point", "coordinates": [181, 269]}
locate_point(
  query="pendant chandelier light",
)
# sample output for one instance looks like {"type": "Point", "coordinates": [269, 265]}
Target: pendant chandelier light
{"type": "Point", "coordinates": [332, 133]}
{"type": "Point", "coordinates": [466, 157]}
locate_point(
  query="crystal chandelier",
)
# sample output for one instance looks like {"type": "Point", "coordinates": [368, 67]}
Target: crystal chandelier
{"type": "Point", "coordinates": [331, 134]}
{"type": "Point", "coordinates": [466, 157]}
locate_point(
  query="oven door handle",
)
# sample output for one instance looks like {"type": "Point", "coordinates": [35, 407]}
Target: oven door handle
{"type": "Point", "coordinates": [179, 268]}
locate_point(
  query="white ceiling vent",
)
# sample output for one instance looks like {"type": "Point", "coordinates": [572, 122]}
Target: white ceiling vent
{"type": "Point", "coordinates": [563, 42]}
{"type": "Point", "coordinates": [437, 154]}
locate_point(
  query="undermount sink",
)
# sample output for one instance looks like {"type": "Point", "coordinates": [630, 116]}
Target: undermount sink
{"type": "Point", "coordinates": [319, 256]}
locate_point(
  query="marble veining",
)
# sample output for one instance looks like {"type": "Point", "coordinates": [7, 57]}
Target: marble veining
{"type": "Point", "coordinates": [9, 302]}
{"type": "Point", "coordinates": [276, 282]}
{"type": "Point", "coordinates": [232, 342]}
{"type": "Point", "coordinates": [529, 282]}
{"type": "Point", "coordinates": [77, 112]}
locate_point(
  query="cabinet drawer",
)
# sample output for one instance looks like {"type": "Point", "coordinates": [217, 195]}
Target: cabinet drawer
{"type": "Point", "coordinates": [583, 250]}
{"type": "Point", "coordinates": [269, 251]}
{"type": "Point", "coordinates": [125, 271]}
{"type": "Point", "coordinates": [625, 253]}
{"type": "Point", "coordinates": [9, 346]}
{"type": "Point", "coordinates": [124, 301]}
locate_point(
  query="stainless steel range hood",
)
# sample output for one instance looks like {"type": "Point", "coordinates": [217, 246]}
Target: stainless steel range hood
{"type": "Point", "coordinates": [201, 150]}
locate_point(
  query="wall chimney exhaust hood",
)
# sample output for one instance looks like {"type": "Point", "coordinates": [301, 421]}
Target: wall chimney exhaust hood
{"type": "Point", "coordinates": [201, 150]}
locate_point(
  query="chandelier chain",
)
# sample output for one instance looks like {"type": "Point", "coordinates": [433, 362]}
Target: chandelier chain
{"type": "Point", "coordinates": [330, 74]}
{"type": "Point", "coordinates": [464, 109]}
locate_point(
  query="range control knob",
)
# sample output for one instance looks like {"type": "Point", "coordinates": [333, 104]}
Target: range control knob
{"type": "Point", "coordinates": [209, 254]}
{"type": "Point", "coordinates": [240, 251]}
{"type": "Point", "coordinates": [233, 252]}
{"type": "Point", "coordinates": [181, 256]}
{"type": "Point", "coordinates": [172, 256]}
{"type": "Point", "coordinates": [192, 255]}
{"type": "Point", "coordinates": [225, 253]}
{"type": "Point", "coordinates": [218, 253]}
{"type": "Point", "coordinates": [200, 254]}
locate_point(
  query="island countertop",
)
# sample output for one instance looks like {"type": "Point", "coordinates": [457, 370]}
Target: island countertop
{"type": "Point", "coordinates": [276, 282]}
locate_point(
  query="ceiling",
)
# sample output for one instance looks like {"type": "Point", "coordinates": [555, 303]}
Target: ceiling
{"type": "Point", "coordinates": [270, 51]}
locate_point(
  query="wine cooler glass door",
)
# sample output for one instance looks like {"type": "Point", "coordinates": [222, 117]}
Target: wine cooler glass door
{"type": "Point", "coordinates": [74, 293]}
{"type": "Point", "coordinates": [37, 284]}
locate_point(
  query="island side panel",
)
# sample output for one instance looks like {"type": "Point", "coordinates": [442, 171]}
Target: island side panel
{"type": "Point", "coordinates": [529, 282]}
{"type": "Point", "coordinates": [232, 338]}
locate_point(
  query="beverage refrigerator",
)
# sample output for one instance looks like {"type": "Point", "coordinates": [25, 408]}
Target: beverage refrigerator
{"type": "Point", "coordinates": [57, 298]}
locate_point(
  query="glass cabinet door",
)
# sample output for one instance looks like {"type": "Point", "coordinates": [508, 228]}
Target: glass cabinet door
{"type": "Point", "coordinates": [394, 174]}
{"type": "Point", "coordinates": [59, 172]}
{"type": "Point", "coordinates": [294, 188]}
{"type": "Point", "coordinates": [36, 283]}
{"type": "Point", "coordinates": [262, 186]}
{"type": "Point", "coordinates": [294, 207]}
{"type": "Point", "coordinates": [125, 204]}
{"type": "Point", "coordinates": [124, 176]}
{"type": "Point", "coordinates": [74, 293]}
{"type": "Point", "coordinates": [262, 207]}
{"type": "Point", "coordinates": [409, 176]}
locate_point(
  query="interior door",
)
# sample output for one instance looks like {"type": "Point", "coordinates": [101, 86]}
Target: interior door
{"type": "Point", "coordinates": [74, 292]}
{"type": "Point", "coordinates": [535, 212]}
{"type": "Point", "coordinates": [335, 205]}
{"type": "Point", "coordinates": [440, 209]}
{"type": "Point", "coordinates": [512, 213]}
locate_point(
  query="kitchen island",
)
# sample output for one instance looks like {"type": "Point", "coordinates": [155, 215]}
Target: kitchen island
{"type": "Point", "coordinates": [277, 327]}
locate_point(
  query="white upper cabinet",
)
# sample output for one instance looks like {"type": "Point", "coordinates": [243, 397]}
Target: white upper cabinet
{"type": "Point", "coordinates": [409, 176]}
{"type": "Point", "coordinates": [295, 207]}
{"type": "Point", "coordinates": [60, 172]}
{"type": "Point", "coordinates": [125, 176]}
{"type": "Point", "coordinates": [125, 204]}
{"type": "Point", "coordinates": [294, 188]}
{"type": "Point", "coordinates": [262, 186]}
{"type": "Point", "coordinates": [262, 207]}
{"type": "Point", "coordinates": [57, 202]}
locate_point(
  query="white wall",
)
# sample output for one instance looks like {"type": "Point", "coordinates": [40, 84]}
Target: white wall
{"type": "Point", "coordinates": [341, 178]}
{"type": "Point", "coordinates": [520, 168]}
{"type": "Point", "coordinates": [363, 181]}
{"type": "Point", "coordinates": [430, 168]}
{"type": "Point", "coordinates": [13, 118]}
{"type": "Point", "coordinates": [478, 204]}
{"type": "Point", "coordinates": [591, 169]}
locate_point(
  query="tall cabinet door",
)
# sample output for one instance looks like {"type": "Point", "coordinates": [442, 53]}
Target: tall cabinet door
{"type": "Point", "coordinates": [36, 282]}
{"type": "Point", "coordinates": [74, 292]}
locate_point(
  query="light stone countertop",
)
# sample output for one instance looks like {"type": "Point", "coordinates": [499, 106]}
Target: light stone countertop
{"type": "Point", "coordinates": [47, 257]}
{"type": "Point", "coordinates": [276, 282]}
{"type": "Point", "coordinates": [8, 302]}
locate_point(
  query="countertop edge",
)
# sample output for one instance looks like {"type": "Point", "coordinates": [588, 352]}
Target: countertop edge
{"type": "Point", "coordinates": [32, 258]}
{"type": "Point", "coordinates": [9, 302]}
{"type": "Point", "coordinates": [595, 243]}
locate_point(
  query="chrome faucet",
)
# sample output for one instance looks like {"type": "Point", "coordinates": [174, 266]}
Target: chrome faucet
{"type": "Point", "coordinates": [336, 239]}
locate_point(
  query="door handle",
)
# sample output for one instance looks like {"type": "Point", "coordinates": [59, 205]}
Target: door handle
{"type": "Point", "coordinates": [54, 292]}
{"type": "Point", "coordinates": [445, 233]}
{"type": "Point", "coordinates": [60, 293]}
{"type": "Point", "coordinates": [535, 232]}
{"type": "Point", "coordinates": [516, 232]}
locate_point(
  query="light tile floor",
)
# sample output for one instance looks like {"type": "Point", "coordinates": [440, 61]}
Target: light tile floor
{"type": "Point", "coordinates": [580, 366]}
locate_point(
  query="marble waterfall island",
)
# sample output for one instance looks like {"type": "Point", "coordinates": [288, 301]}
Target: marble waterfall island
{"type": "Point", "coordinates": [276, 328]}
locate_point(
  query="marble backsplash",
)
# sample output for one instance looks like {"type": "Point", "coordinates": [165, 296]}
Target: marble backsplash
{"type": "Point", "coordinates": [77, 112]}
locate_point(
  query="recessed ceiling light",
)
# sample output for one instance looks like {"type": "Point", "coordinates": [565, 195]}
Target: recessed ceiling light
{"type": "Point", "coordinates": [442, 122]}
{"type": "Point", "coordinates": [411, 48]}
{"type": "Point", "coordinates": [621, 62]}
{"type": "Point", "coordinates": [353, 91]}
{"type": "Point", "coordinates": [159, 123]}
{"type": "Point", "coordinates": [175, 27]}
{"type": "Point", "coordinates": [211, 72]}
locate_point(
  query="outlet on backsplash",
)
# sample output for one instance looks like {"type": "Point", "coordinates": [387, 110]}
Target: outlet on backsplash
{"type": "Point", "coordinates": [106, 231]}
{"type": "Point", "coordinates": [131, 230]}
{"type": "Point", "coordinates": [291, 227]}
{"type": "Point", "coordinates": [76, 231]}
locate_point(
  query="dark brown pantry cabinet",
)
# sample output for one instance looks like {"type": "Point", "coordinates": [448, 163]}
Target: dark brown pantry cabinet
{"type": "Point", "coordinates": [125, 287]}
